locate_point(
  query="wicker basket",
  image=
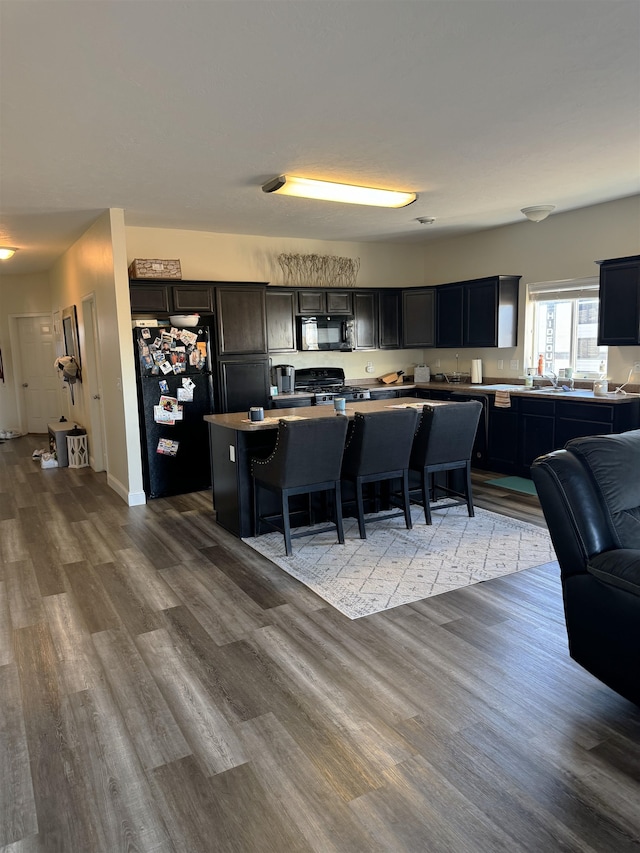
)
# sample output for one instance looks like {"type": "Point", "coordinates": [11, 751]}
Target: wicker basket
{"type": "Point", "coordinates": [155, 268]}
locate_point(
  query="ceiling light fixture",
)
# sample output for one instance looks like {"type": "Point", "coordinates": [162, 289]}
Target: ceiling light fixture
{"type": "Point", "coordinates": [328, 191]}
{"type": "Point", "coordinates": [7, 252]}
{"type": "Point", "coordinates": [426, 220]}
{"type": "Point", "coordinates": [539, 212]}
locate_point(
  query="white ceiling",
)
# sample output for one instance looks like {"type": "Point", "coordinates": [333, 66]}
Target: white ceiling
{"type": "Point", "coordinates": [179, 111]}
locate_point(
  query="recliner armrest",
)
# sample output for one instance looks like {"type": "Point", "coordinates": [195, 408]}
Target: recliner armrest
{"type": "Point", "coordinates": [619, 567]}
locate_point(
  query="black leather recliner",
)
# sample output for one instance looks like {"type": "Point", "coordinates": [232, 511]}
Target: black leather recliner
{"type": "Point", "coordinates": [590, 496]}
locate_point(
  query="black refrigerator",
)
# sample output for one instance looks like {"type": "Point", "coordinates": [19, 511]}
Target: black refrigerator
{"type": "Point", "coordinates": [175, 391]}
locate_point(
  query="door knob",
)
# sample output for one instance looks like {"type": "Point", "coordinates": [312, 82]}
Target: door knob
{"type": "Point", "coordinates": [25, 384]}
{"type": "Point", "coordinates": [96, 396]}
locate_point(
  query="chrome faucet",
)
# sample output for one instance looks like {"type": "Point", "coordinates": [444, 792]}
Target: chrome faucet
{"type": "Point", "coordinates": [564, 385]}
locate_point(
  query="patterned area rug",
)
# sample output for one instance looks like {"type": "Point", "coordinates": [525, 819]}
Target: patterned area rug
{"type": "Point", "coordinates": [396, 566]}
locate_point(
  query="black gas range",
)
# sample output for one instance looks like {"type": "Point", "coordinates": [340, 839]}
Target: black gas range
{"type": "Point", "coordinates": [325, 384]}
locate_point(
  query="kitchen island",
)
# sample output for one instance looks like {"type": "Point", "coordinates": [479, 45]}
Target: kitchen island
{"type": "Point", "coordinates": [234, 440]}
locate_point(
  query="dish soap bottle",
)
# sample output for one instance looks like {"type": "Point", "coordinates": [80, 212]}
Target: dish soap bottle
{"type": "Point", "coordinates": [540, 365]}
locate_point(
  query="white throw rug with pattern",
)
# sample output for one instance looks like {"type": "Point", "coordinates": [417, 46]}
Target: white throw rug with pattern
{"type": "Point", "coordinates": [395, 566]}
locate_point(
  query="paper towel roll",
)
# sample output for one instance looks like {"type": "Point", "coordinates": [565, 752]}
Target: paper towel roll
{"type": "Point", "coordinates": [476, 371]}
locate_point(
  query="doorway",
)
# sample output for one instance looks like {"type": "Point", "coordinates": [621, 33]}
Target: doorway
{"type": "Point", "coordinates": [93, 377]}
{"type": "Point", "coordinates": [37, 382]}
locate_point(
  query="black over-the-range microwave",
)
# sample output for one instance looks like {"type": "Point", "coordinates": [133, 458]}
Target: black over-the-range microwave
{"type": "Point", "coordinates": [325, 333]}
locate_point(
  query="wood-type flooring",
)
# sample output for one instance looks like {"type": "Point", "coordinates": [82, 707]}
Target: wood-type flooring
{"type": "Point", "coordinates": [166, 688]}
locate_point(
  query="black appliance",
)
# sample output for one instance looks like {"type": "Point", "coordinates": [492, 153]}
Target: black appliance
{"type": "Point", "coordinates": [175, 391]}
{"type": "Point", "coordinates": [283, 377]}
{"type": "Point", "coordinates": [325, 333]}
{"type": "Point", "coordinates": [326, 383]}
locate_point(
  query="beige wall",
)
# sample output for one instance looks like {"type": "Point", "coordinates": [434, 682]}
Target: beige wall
{"type": "Point", "coordinates": [235, 257]}
{"type": "Point", "coordinates": [96, 265]}
{"type": "Point", "coordinates": [564, 246]}
{"type": "Point", "coordinates": [19, 295]}
{"type": "Point", "coordinates": [240, 257]}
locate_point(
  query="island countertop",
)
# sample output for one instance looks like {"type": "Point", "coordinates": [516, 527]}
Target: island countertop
{"type": "Point", "coordinates": [240, 422]}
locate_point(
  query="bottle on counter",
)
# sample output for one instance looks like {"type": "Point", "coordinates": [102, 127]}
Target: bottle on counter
{"type": "Point", "coordinates": [540, 365]}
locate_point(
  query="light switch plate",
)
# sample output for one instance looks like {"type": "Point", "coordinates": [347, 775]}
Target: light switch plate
{"type": "Point", "coordinates": [514, 363]}
{"type": "Point", "coordinates": [500, 364]}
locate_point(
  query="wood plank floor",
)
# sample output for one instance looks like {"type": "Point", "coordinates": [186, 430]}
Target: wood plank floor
{"type": "Point", "coordinates": [165, 688]}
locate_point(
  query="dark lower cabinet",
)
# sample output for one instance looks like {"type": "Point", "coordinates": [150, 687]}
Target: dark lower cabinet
{"type": "Point", "coordinates": [503, 438]}
{"type": "Point", "coordinates": [537, 432]}
{"type": "Point", "coordinates": [242, 383]}
{"type": "Point", "coordinates": [289, 403]}
{"type": "Point", "coordinates": [574, 420]}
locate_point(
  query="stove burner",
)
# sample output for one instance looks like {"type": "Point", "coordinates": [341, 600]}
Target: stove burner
{"type": "Point", "coordinates": [326, 383]}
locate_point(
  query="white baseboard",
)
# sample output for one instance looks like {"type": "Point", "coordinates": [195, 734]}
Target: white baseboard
{"type": "Point", "coordinates": [130, 498]}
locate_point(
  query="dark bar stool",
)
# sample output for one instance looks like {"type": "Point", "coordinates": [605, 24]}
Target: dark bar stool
{"type": "Point", "coordinates": [444, 442]}
{"type": "Point", "coordinates": [378, 449]}
{"type": "Point", "coordinates": [306, 459]}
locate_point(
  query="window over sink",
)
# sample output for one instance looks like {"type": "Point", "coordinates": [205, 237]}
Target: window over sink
{"type": "Point", "coordinates": [563, 323]}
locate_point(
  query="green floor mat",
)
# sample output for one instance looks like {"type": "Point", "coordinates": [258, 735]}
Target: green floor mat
{"type": "Point", "coordinates": [514, 484]}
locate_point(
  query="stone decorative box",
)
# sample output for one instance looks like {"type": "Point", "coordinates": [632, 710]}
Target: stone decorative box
{"type": "Point", "coordinates": [155, 268]}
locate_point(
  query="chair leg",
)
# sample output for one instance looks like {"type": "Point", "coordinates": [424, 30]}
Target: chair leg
{"type": "Point", "coordinates": [338, 512]}
{"type": "Point", "coordinates": [286, 525]}
{"type": "Point", "coordinates": [256, 509]}
{"type": "Point", "coordinates": [470, 509]}
{"type": "Point", "coordinates": [406, 499]}
{"type": "Point", "coordinates": [360, 508]}
{"type": "Point", "coordinates": [425, 497]}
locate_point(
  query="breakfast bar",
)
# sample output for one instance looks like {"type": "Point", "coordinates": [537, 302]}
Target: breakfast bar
{"type": "Point", "coordinates": [234, 440]}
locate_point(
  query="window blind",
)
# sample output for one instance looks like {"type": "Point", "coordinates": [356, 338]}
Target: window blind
{"type": "Point", "coordinates": [571, 288]}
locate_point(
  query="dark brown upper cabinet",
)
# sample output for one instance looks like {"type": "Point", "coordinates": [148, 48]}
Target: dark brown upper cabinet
{"type": "Point", "coordinates": [325, 301]}
{"type": "Point", "coordinates": [241, 320]}
{"type": "Point", "coordinates": [418, 317]}
{"type": "Point", "coordinates": [193, 297]}
{"type": "Point", "coordinates": [281, 330]}
{"type": "Point", "coordinates": [366, 319]}
{"type": "Point", "coordinates": [449, 315]}
{"type": "Point", "coordinates": [389, 319]}
{"type": "Point", "coordinates": [149, 298]}
{"type": "Point", "coordinates": [481, 312]}
{"type": "Point", "coordinates": [619, 313]}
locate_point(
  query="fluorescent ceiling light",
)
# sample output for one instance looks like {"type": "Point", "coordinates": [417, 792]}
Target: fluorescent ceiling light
{"type": "Point", "coordinates": [328, 191]}
{"type": "Point", "coordinates": [6, 252]}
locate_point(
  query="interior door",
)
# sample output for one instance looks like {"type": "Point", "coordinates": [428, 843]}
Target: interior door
{"type": "Point", "coordinates": [92, 375]}
{"type": "Point", "coordinates": [38, 379]}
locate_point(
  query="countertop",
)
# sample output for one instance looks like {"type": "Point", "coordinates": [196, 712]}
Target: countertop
{"type": "Point", "coordinates": [239, 421]}
{"type": "Point", "coordinates": [544, 391]}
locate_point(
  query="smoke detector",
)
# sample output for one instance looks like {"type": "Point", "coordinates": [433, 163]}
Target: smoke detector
{"type": "Point", "coordinates": [426, 220]}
